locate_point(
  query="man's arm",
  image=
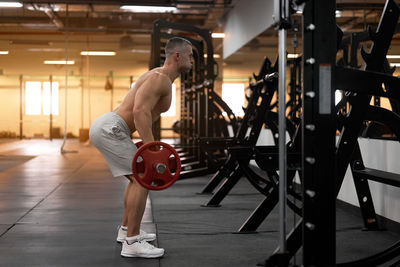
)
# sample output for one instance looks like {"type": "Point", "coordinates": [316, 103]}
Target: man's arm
{"type": "Point", "coordinates": [146, 99]}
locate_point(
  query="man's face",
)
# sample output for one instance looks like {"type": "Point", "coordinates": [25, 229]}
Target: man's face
{"type": "Point", "coordinates": [186, 60]}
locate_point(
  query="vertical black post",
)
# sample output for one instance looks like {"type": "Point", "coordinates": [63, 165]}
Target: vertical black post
{"type": "Point", "coordinates": [111, 77]}
{"type": "Point", "coordinates": [21, 105]}
{"type": "Point", "coordinates": [155, 62]}
{"type": "Point", "coordinates": [318, 127]}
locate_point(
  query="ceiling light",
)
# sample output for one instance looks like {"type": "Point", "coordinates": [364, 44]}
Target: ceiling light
{"type": "Point", "coordinates": [293, 55]}
{"type": "Point", "coordinates": [3, 52]}
{"type": "Point", "coordinates": [148, 9]}
{"type": "Point", "coordinates": [338, 13]}
{"type": "Point", "coordinates": [45, 49]}
{"type": "Point", "coordinates": [142, 51]}
{"type": "Point", "coordinates": [59, 62]}
{"type": "Point", "coordinates": [393, 56]}
{"type": "Point", "coordinates": [218, 35]}
{"type": "Point", "coordinates": [394, 64]}
{"type": "Point", "coordinates": [10, 4]}
{"type": "Point", "coordinates": [98, 53]}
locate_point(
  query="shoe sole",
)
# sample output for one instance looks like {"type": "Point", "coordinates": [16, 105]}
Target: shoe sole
{"type": "Point", "coordinates": [145, 239]}
{"type": "Point", "coordinates": [141, 255]}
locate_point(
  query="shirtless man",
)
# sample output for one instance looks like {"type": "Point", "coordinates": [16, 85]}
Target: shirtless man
{"type": "Point", "coordinates": [110, 133]}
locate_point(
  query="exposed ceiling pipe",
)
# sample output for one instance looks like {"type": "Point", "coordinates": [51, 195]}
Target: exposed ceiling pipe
{"type": "Point", "coordinates": [53, 16]}
{"type": "Point", "coordinates": [48, 10]}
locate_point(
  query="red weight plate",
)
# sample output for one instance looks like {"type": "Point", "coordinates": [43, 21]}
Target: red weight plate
{"type": "Point", "coordinates": [153, 153]}
{"type": "Point", "coordinates": [139, 144]}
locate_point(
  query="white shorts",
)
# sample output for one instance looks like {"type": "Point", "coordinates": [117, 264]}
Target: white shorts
{"type": "Point", "coordinates": [111, 136]}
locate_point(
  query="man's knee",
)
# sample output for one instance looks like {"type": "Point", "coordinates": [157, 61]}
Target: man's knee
{"type": "Point", "coordinates": [130, 178]}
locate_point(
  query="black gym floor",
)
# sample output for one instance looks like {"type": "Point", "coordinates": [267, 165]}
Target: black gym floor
{"type": "Point", "coordinates": [63, 210]}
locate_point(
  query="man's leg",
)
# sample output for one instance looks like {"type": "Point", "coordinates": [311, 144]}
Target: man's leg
{"type": "Point", "coordinates": [136, 197]}
{"type": "Point", "coordinates": [125, 216]}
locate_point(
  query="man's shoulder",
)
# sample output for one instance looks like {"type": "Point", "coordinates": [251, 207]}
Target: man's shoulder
{"type": "Point", "coordinates": [156, 82]}
{"type": "Point", "coordinates": [158, 77]}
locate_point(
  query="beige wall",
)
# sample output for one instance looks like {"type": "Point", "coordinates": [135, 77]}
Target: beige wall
{"type": "Point", "coordinates": [96, 101]}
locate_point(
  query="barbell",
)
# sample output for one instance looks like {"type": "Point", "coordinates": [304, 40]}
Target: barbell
{"type": "Point", "coordinates": [156, 165]}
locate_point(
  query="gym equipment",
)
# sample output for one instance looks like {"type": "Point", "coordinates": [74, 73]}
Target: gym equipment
{"type": "Point", "coordinates": [371, 129]}
{"type": "Point", "coordinates": [201, 108]}
{"type": "Point", "coordinates": [156, 165]}
{"type": "Point", "coordinates": [252, 121]}
{"type": "Point", "coordinates": [243, 147]}
{"type": "Point", "coordinates": [316, 230]}
{"type": "Point", "coordinates": [282, 23]}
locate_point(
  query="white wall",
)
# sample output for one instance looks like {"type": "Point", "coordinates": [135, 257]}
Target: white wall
{"type": "Point", "coordinates": [245, 21]}
{"type": "Point", "coordinates": [377, 154]}
{"type": "Point", "coordinates": [382, 155]}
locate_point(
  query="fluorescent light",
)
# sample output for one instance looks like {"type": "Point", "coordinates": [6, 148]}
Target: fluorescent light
{"type": "Point", "coordinates": [293, 55]}
{"type": "Point", "coordinates": [3, 52]}
{"type": "Point", "coordinates": [59, 62]}
{"type": "Point", "coordinates": [218, 35]}
{"type": "Point", "coordinates": [142, 51]}
{"type": "Point", "coordinates": [338, 13]}
{"type": "Point", "coordinates": [45, 49]}
{"type": "Point", "coordinates": [149, 9]}
{"type": "Point", "coordinates": [10, 4]}
{"type": "Point", "coordinates": [98, 53]}
{"type": "Point", "coordinates": [392, 56]}
{"type": "Point", "coordinates": [394, 64]}
{"type": "Point", "coordinates": [215, 56]}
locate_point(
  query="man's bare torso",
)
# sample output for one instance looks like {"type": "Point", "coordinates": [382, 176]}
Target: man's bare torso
{"type": "Point", "coordinates": [125, 110]}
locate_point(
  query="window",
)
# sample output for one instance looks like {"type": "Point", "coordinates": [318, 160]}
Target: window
{"type": "Point", "coordinates": [172, 109]}
{"type": "Point", "coordinates": [233, 95]}
{"type": "Point", "coordinates": [33, 98]}
{"type": "Point", "coordinates": [46, 98]}
{"type": "Point", "coordinates": [37, 98]}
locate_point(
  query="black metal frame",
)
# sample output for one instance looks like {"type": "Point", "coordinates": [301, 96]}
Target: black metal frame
{"type": "Point", "coordinates": [201, 107]}
{"type": "Point", "coordinates": [253, 120]}
{"type": "Point", "coordinates": [242, 149]}
{"type": "Point", "coordinates": [318, 132]}
{"type": "Point", "coordinates": [319, 249]}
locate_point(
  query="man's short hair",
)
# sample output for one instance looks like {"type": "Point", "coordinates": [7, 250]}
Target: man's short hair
{"type": "Point", "coordinates": [175, 44]}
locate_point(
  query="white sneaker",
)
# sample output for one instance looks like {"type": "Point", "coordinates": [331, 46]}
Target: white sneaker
{"type": "Point", "coordinates": [121, 234]}
{"type": "Point", "coordinates": [143, 235]}
{"type": "Point", "coordinates": [141, 249]}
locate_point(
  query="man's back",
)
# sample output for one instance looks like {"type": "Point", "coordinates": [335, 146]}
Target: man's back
{"type": "Point", "coordinates": [145, 89]}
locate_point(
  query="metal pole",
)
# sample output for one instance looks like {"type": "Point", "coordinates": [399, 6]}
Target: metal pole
{"type": "Point", "coordinates": [21, 105]}
{"type": "Point", "coordinates": [65, 92]}
{"type": "Point", "coordinates": [88, 82]}
{"type": "Point", "coordinates": [82, 102]}
{"type": "Point", "coordinates": [282, 140]}
{"type": "Point", "coordinates": [51, 108]}
{"type": "Point", "coordinates": [62, 150]}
